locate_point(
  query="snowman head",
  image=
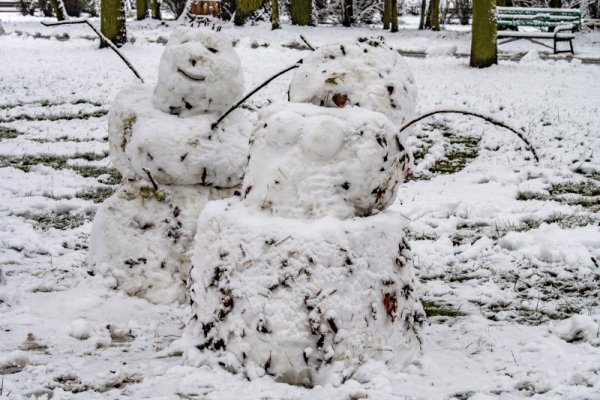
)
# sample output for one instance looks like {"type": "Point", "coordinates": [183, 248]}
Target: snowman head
{"type": "Point", "coordinates": [308, 161]}
{"type": "Point", "coordinates": [364, 73]}
{"type": "Point", "coordinates": [199, 73]}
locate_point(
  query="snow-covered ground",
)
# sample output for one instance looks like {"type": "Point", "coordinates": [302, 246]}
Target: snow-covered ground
{"type": "Point", "coordinates": [507, 250]}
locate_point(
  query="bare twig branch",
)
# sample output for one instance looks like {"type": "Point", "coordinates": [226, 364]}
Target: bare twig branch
{"type": "Point", "coordinates": [521, 135]}
{"type": "Point", "coordinates": [154, 185]}
{"type": "Point", "coordinates": [306, 43]}
{"type": "Point", "coordinates": [102, 37]}
{"type": "Point", "coordinates": [259, 87]}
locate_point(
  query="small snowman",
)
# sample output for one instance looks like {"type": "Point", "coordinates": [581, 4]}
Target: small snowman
{"type": "Point", "coordinates": [172, 161]}
{"type": "Point", "coordinates": [308, 276]}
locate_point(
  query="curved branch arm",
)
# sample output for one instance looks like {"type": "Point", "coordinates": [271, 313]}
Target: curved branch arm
{"type": "Point", "coordinates": [521, 135]}
{"type": "Point", "coordinates": [259, 87]}
{"type": "Point", "coordinates": [102, 37]}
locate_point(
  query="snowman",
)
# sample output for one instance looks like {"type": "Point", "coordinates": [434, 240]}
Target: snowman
{"type": "Point", "coordinates": [172, 163]}
{"type": "Point", "coordinates": [308, 276]}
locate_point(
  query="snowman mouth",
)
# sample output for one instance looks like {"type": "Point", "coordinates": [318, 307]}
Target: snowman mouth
{"type": "Point", "coordinates": [192, 77]}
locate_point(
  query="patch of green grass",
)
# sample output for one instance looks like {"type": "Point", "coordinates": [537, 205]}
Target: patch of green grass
{"type": "Point", "coordinates": [49, 103]}
{"type": "Point", "coordinates": [69, 139]}
{"type": "Point", "coordinates": [56, 117]}
{"type": "Point", "coordinates": [57, 220]}
{"type": "Point", "coordinates": [458, 150]}
{"type": "Point", "coordinates": [433, 309]}
{"type": "Point", "coordinates": [8, 133]}
{"type": "Point", "coordinates": [97, 195]}
{"type": "Point", "coordinates": [585, 194]}
{"type": "Point", "coordinates": [26, 162]}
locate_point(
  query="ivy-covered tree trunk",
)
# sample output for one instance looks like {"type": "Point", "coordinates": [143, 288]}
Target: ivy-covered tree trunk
{"type": "Point", "coordinates": [484, 52]}
{"type": "Point", "coordinates": [112, 22]}
{"type": "Point", "coordinates": [275, 14]}
{"type": "Point", "coordinates": [423, 12]}
{"type": "Point", "coordinates": [394, 15]}
{"type": "Point", "coordinates": [301, 12]}
{"type": "Point", "coordinates": [59, 9]}
{"type": "Point", "coordinates": [347, 12]}
{"type": "Point", "coordinates": [155, 7]}
{"type": "Point", "coordinates": [387, 14]}
{"type": "Point", "coordinates": [245, 8]}
{"type": "Point", "coordinates": [141, 8]}
{"type": "Point", "coordinates": [435, 15]}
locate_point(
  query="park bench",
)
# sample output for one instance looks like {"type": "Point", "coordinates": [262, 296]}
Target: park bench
{"type": "Point", "coordinates": [8, 6]}
{"type": "Point", "coordinates": [560, 23]}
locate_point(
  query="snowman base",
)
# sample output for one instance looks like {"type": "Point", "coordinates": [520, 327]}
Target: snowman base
{"type": "Point", "coordinates": [141, 238]}
{"type": "Point", "coordinates": [306, 301]}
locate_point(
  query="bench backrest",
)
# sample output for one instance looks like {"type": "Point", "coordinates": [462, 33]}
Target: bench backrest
{"type": "Point", "coordinates": [537, 17]}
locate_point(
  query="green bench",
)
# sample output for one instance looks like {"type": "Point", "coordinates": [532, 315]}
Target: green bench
{"type": "Point", "coordinates": [560, 23]}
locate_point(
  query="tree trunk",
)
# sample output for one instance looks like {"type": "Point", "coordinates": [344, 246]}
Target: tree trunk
{"type": "Point", "coordinates": [72, 7]}
{"type": "Point", "coordinates": [141, 9]}
{"type": "Point", "coordinates": [245, 8]}
{"type": "Point", "coordinates": [387, 14]}
{"type": "Point", "coordinates": [423, 12]}
{"type": "Point", "coordinates": [59, 9]}
{"type": "Point", "coordinates": [347, 12]}
{"type": "Point", "coordinates": [435, 15]}
{"type": "Point", "coordinates": [275, 15]}
{"type": "Point", "coordinates": [112, 22]}
{"type": "Point", "coordinates": [301, 12]}
{"type": "Point", "coordinates": [394, 15]}
{"type": "Point", "coordinates": [484, 52]}
{"type": "Point", "coordinates": [555, 3]}
{"type": "Point", "coordinates": [155, 6]}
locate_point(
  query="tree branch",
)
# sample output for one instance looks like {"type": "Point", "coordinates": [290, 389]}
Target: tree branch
{"type": "Point", "coordinates": [521, 135]}
{"type": "Point", "coordinates": [259, 87]}
{"type": "Point", "coordinates": [154, 185]}
{"type": "Point", "coordinates": [306, 43]}
{"type": "Point", "coordinates": [102, 37]}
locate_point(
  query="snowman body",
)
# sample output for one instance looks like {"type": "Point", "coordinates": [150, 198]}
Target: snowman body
{"type": "Point", "coordinates": [172, 163]}
{"type": "Point", "coordinates": [308, 276]}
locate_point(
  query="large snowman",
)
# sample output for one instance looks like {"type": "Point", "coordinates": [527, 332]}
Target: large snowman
{"type": "Point", "coordinates": [308, 277]}
{"type": "Point", "coordinates": [172, 164]}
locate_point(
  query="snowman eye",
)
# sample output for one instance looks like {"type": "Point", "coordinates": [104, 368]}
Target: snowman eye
{"type": "Point", "coordinates": [212, 50]}
{"type": "Point", "coordinates": [193, 62]}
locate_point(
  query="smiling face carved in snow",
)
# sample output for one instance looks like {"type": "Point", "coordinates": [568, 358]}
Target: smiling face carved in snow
{"type": "Point", "coordinates": [199, 73]}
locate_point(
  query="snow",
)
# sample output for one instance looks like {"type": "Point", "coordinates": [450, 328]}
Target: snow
{"type": "Point", "coordinates": [365, 73]}
{"type": "Point", "coordinates": [140, 237]}
{"type": "Point", "coordinates": [528, 328]}
{"type": "Point", "coordinates": [308, 302]}
{"type": "Point", "coordinates": [176, 150]}
{"type": "Point", "coordinates": [295, 171]}
{"type": "Point", "coordinates": [199, 72]}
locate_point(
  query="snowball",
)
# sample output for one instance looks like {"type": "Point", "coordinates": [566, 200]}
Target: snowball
{"type": "Point", "coordinates": [310, 161]}
{"type": "Point", "coordinates": [580, 328]}
{"type": "Point", "coordinates": [141, 238]}
{"type": "Point", "coordinates": [305, 301]}
{"type": "Point", "coordinates": [80, 329]}
{"type": "Point", "coordinates": [199, 72]}
{"type": "Point", "coordinates": [179, 151]}
{"type": "Point", "coordinates": [363, 73]}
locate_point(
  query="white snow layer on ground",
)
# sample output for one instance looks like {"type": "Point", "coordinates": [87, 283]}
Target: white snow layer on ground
{"type": "Point", "coordinates": [65, 333]}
